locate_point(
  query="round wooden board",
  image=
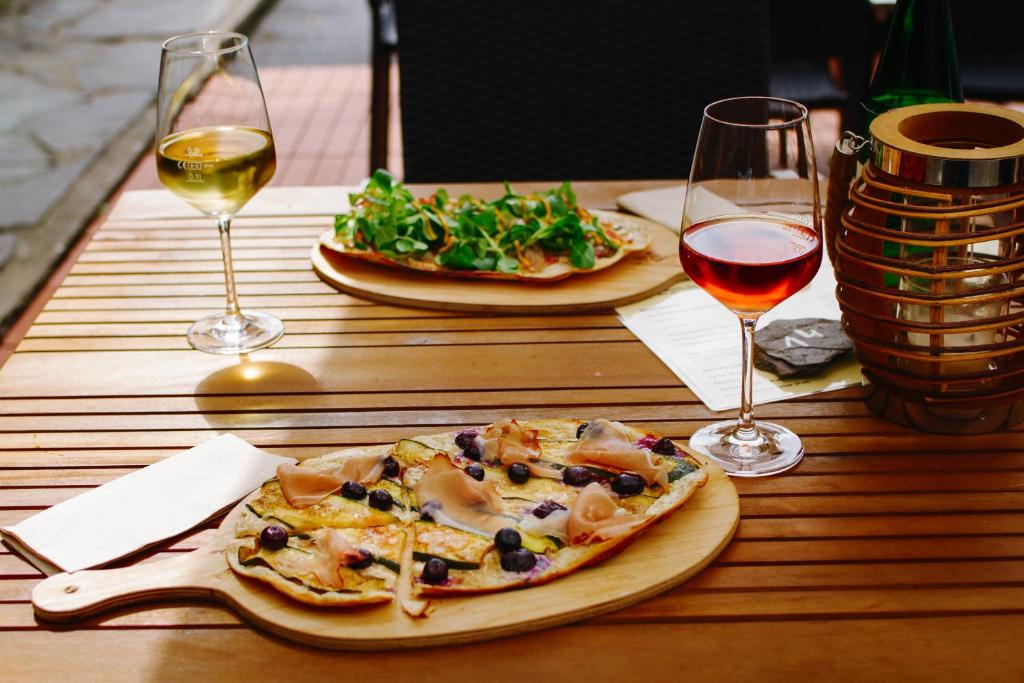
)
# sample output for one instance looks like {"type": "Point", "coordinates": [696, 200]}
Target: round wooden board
{"type": "Point", "coordinates": [663, 556]}
{"type": "Point", "coordinates": [636, 277]}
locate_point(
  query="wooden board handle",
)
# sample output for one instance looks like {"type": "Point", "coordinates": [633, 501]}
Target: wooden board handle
{"type": "Point", "coordinates": [79, 595]}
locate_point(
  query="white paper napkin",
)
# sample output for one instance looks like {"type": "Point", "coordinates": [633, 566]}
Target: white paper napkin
{"type": "Point", "coordinates": [144, 507]}
{"type": "Point", "coordinates": [664, 205]}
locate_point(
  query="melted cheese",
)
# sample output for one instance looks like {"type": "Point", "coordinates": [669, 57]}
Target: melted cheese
{"type": "Point", "coordinates": [595, 516]}
{"type": "Point", "coordinates": [303, 486]}
{"type": "Point", "coordinates": [556, 525]}
{"type": "Point", "coordinates": [458, 500]}
{"type": "Point", "coordinates": [507, 442]}
{"type": "Point", "coordinates": [606, 444]}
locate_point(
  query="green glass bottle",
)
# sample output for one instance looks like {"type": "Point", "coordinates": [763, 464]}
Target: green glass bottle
{"type": "Point", "coordinates": [918, 63]}
{"type": "Point", "coordinates": [918, 66]}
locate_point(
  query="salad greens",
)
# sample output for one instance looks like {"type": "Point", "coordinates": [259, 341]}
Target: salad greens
{"type": "Point", "coordinates": [510, 234]}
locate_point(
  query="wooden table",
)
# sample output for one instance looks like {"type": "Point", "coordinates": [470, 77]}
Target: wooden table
{"type": "Point", "coordinates": [887, 552]}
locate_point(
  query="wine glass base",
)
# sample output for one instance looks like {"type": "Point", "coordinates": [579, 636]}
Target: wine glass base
{"type": "Point", "coordinates": [773, 449]}
{"type": "Point", "coordinates": [221, 334]}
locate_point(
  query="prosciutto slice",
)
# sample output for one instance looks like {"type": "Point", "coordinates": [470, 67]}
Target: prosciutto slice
{"type": "Point", "coordinates": [335, 551]}
{"type": "Point", "coordinates": [595, 516]}
{"type": "Point", "coordinates": [507, 442]}
{"type": "Point", "coordinates": [303, 486]}
{"type": "Point", "coordinates": [607, 444]}
{"type": "Point", "coordinates": [458, 500]}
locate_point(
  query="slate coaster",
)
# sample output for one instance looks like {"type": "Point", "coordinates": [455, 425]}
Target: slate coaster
{"type": "Point", "coordinates": [800, 347]}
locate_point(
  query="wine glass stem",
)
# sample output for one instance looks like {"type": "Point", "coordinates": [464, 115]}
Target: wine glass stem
{"type": "Point", "coordinates": [746, 431]}
{"type": "Point", "coordinates": [232, 312]}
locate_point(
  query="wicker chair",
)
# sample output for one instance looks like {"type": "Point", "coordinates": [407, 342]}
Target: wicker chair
{"type": "Point", "coordinates": [989, 48]}
{"type": "Point", "coordinates": [569, 89]}
{"type": "Point", "coordinates": [805, 35]}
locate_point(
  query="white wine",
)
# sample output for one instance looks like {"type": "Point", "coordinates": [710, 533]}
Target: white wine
{"type": "Point", "coordinates": [216, 169]}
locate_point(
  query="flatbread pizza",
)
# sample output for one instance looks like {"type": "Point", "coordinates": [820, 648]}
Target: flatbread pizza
{"type": "Point", "coordinates": [539, 237]}
{"type": "Point", "coordinates": [507, 505]}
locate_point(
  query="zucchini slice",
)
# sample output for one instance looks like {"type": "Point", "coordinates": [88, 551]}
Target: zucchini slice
{"type": "Point", "coordinates": [460, 549]}
{"type": "Point", "coordinates": [332, 511]}
{"type": "Point", "coordinates": [412, 453]}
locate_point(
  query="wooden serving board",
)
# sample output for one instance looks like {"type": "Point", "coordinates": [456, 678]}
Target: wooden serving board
{"type": "Point", "coordinates": [636, 277]}
{"type": "Point", "coordinates": [662, 556]}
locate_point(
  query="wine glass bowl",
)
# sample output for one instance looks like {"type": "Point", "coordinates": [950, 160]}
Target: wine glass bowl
{"type": "Point", "coordinates": [751, 238]}
{"type": "Point", "coordinates": [216, 152]}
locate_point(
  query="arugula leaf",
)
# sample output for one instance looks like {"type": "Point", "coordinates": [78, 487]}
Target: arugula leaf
{"type": "Point", "coordinates": [582, 255]}
{"type": "Point", "coordinates": [382, 179]}
{"type": "Point", "coordinates": [484, 263]}
{"type": "Point", "coordinates": [459, 258]}
{"type": "Point", "coordinates": [508, 265]}
{"type": "Point", "coordinates": [469, 233]}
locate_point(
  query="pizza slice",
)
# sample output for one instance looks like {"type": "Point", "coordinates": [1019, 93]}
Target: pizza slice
{"type": "Point", "coordinates": [326, 567]}
{"type": "Point", "coordinates": [328, 532]}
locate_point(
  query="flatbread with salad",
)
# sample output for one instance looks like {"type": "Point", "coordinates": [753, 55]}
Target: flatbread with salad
{"type": "Point", "coordinates": [542, 236]}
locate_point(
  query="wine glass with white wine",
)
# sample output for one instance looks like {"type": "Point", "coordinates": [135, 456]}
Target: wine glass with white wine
{"type": "Point", "coordinates": [216, 152]}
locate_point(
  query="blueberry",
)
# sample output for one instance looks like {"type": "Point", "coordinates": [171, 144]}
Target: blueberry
{"type": "Point", "coordinates": [467, 442]}
{"type": "Point", "coordinates": [353, 490]}
{"type": "Point", "coordinates": [627, 484]}
{"type": "Point", "coordinates": [391, 467]}
{"type": "Point", "coordinates": [577, 476]}
{"type": "Point", "coordinates": [581, 429]}
{"type": "Point", "coordinates": [520, 560]}
{"type": "Point", "coordinates": [273, 537]}
{"type": "Point", "coordinates": [475, 471]}
{"type": "Point", "coordinates": [507, 539]}
{"type": "Point", "coordinates": [546, 508]}
{"type": "Point", "coordinates": [435, 571]}
{"type": "Point", "coordinates": [381, 499]}
{"type": "Point", "coordinates": [664, 447]}
{"type": "Point", "coordinates": [427, 510]}
{"type": "Point", "coordinates": [364, 561]}
{"type": "Point", "coordinates": [518, 473]}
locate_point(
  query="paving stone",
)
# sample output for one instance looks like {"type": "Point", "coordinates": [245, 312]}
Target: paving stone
{"type": "Point", "coordinates": [23, 98]}
{"type": "Point", "coordinates": [43, 17]}
{"type": "Point", "coordinates": [76, 74]}
{"type": "Point", "coordinates": [91, 125]}
{"type": "Point", "coordinates": [25, 201]}
{"type": "Point", "coordinates": [20, 156]}
{"type": "Point", "coordinates": [15, 147]}
{"type": "Point", "coordinates": [53, 65]}
{"type": "Point", "coordinates": [134, 64]}
{"type": "Point", "coordinates": [165, 18]}
{"type": "Point", "coordinates": [314, 32]}
{"type": "Point", "coordinates": [8, 242]}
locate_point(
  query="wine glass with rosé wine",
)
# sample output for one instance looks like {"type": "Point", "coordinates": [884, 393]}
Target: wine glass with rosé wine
{"type": "Point", "coordinates": [215, 152]}
{"type": "Point", "coordinates": [751, 237]}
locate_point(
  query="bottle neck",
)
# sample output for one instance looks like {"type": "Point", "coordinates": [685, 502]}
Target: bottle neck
{"type": "Point", "coordinates": [918, 63]}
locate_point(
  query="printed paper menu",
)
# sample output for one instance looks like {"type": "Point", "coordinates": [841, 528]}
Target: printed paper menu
{"type": "Point", "coordinates": [700, 341]}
